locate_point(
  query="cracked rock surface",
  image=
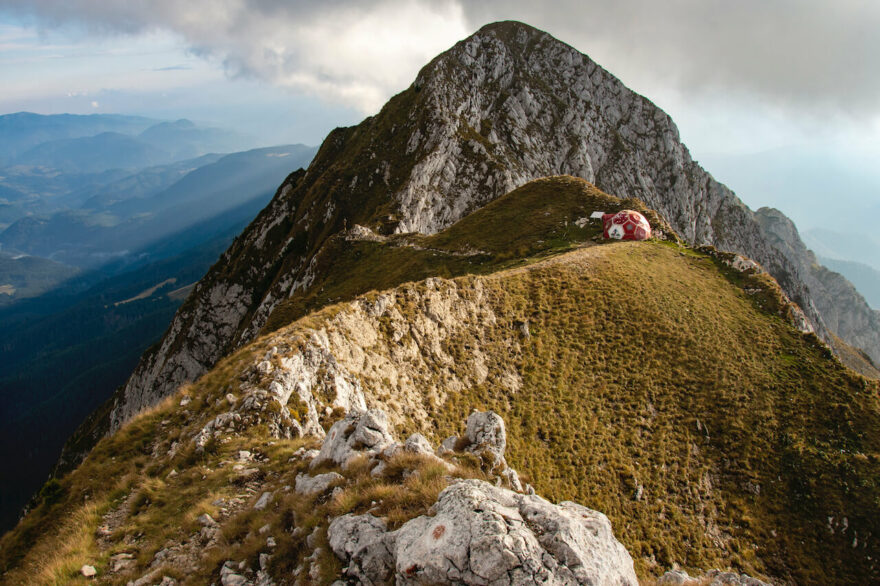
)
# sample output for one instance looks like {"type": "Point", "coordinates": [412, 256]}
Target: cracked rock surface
{"type": "Point", "coordinates": [359, 432]}
{"type": "Point", "coordinates": [482, 534]}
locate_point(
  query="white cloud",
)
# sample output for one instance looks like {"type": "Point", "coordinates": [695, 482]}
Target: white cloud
{"type": "Point", "coordinates": [357, 53]}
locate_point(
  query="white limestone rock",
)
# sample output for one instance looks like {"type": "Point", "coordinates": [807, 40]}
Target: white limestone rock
{"type": "Point", "coordinates": [481, 534]}
{"type": "Point", "coordinates": [487, 435]}
{"type": "Point", "coordinates": [263, 501]}
{"type": "Point", "coordinates": [256, 407]}
{"type": "Point", "coordinates": [418, 444]}
{"type": "Point", "coordinates": [447, 446]}
{"type": "Point", "coordinates": [364, 432]}
{"type": "Point", "coordinates": [364, 543]}
{"type": "Point", "coordinates": [711, 578]}
{"type": "Point", "coordinates": [310, 485]}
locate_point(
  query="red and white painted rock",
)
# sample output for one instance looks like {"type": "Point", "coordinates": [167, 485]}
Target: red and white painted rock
{"type": "Point", "coordinates": [626, 225]}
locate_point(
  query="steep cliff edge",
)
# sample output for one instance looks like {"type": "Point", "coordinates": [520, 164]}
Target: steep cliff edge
{"type": "Point", "coordinates": [843, 309]}
{"type": "Point", "coordinates": [507, 105]}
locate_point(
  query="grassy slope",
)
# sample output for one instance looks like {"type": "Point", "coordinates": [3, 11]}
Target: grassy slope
{"type": "Point", "coordinates": [534, 220]}
{"type": "Point", "coordinates": [648, 365]}
{"type": "Point", "coordinates": [623, 362]}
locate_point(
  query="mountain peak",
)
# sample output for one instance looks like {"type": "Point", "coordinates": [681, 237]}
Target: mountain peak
{"type": "Point", "coordinates": [508, 105]}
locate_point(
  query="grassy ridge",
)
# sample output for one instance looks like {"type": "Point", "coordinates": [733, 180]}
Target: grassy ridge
{"type": "Point", "coordinates": [658, 386]}
{"type": "Point", "coordinates": [711, 433]}
{"type": "Point", "coordinates": [534, 220]}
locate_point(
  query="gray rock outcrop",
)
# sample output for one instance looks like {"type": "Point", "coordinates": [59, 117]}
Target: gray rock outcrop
{"type": "Point", "coordinates": [309, 485]}
{"type": "Point", "coordinates": [482, 534]}
{"type": "Point", "coordinates": [257, 407]}
{"type": "Point", "coordinates": [478, 533]}
{"type": "Point", "coordinates": [486, 435]}
{"type": "Point", "coordinates": [364, 542]}
{"type": "Point", "coordinates": [360, 432]}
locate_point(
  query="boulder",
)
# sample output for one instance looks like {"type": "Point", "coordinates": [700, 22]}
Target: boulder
{"type": "Point", "coordinates": [487, 436]}
{"type": "Point", "coordinates": [363, 541]}
{"type": "Point", "coordinates": [418, 444]}
{"type": "Point", "coordinates": [719, 578]}
{"type": "Point", "coordinates": [676, 578]}
{"type": "Point", "coordinates": [309, 485]}
{"type": "Point", "coordinates": [447, 446]}
{"type": "Point", "coordinates": [360, 432]}
{"type": "Point", "coordinates": [711, 578]}
{"type": "Point", "coordinates": [263, 501]}
{"type": "Point", "coordinates": [484, 534]}
{"type": "Point", "coordinates": [122, 562]}
{"type": "Point", "coordinates": [206, 520]}
{"type": "Point", "coordinates": [88, 571]}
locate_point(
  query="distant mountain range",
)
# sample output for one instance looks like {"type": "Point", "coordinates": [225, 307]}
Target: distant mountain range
{"type": "Point", "coordinates": [23, 131]}
{"type": "Point", "coordinates": [47, 161]}
{"type": "Point", "coordinates": [852, 245]}
{"type": "Point", "coordinates": [115, 221]}
{"type": "Point", "coordinates": [105, 141]}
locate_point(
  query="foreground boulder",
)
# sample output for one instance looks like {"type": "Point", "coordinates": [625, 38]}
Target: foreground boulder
{"type": "Point", "coordinates": [483, 534]}
{"type": "Point", "coordinates": [477, 533]}
{"type": "Point", "coordinates": [486, 437]}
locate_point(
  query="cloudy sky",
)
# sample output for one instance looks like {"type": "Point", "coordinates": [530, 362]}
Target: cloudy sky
{"type": "Point", "coordinates": [792, 79]}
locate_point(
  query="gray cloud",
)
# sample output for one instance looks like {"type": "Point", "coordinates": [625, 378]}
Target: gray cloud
{"type": "Point", "coordinates": [803, 54]}
{"type": "Point", "coordinates": [799, 54]}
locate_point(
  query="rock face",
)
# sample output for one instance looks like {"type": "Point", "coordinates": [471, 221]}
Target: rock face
{"type": "Point", "coordinates": [481, 534]}
{"type": "Point", "coordinates": [505, 106]}
{"type": "Point", "coordinates": [843, 309]}
{"type": "Point", "coordinates": [486, 435]}
{"type": "Point", "coordinates": [365, 543]}
{"type": "Point", "coordinates": [358, 433]}
{"type": "Point", "coordinates": [316, 484]}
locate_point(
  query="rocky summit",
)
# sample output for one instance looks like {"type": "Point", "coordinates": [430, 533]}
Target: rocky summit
{"type": "Point", "coordinates": [422, 364]}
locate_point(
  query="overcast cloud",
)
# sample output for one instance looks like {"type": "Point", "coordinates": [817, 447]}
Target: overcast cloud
{"type": "Point", "coordinates": [799, 54]}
